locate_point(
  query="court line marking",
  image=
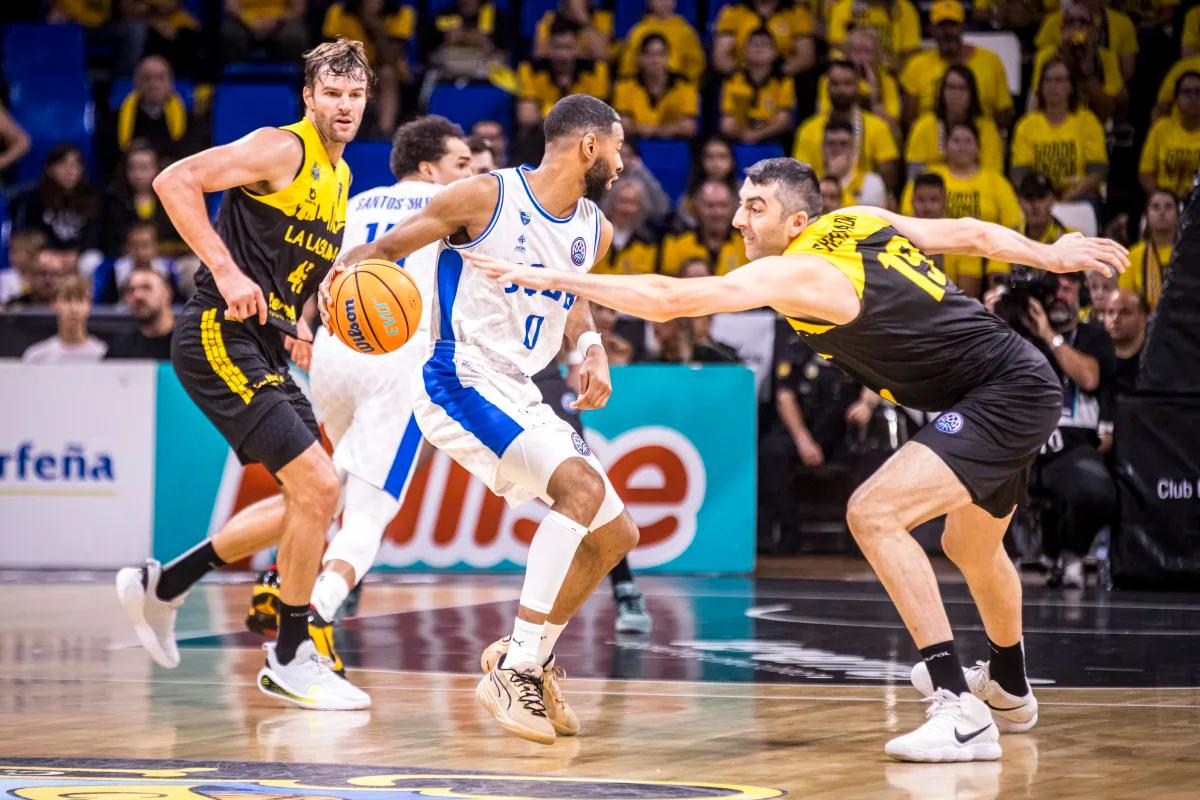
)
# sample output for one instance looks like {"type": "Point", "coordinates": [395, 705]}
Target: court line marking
{"type": "Point", "coordinates": [871, 598]}
{"type": "Point", "coordinates": [609, 692]}
{"type": "Point", "coordinates": [773, 613]}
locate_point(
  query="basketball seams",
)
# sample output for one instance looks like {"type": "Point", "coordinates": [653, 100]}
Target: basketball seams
{"type": "Point", "coordinates": [400, 309]}
{"type": "Point", "coordinates": [363, 308]}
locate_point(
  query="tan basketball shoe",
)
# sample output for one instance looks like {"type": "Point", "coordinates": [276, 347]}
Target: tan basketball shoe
{"type": "Point", "coordinates": [561, 715]}
{"type": "Point", "coordinates": [513, 696]}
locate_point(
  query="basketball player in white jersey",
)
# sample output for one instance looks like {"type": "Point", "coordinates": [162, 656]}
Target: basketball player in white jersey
{"type": "Point", "coordinates": [477, 403]}
{"type": "Point", "coordinates": [365, 401]}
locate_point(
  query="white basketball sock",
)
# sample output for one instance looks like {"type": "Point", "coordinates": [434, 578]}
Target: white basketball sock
{"type": "Point", "coordinates": [550, 634]}
{"type": "Point", "coordinates": [523, 648]}
{"type": "Point", "coordinates": [328, 594]}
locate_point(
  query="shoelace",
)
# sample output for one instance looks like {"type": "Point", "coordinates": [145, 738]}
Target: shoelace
{"type": "Point", "coordinates": [633, 604]}
{"type": "Point", "coordinates": [978, 677]}
{"type": "Point", "coordinates": [941, 703]}
{"type": "Point", "coordinates": [529, 688]}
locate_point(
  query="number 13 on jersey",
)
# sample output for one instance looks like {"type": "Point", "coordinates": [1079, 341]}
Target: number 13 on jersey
{"type": "Point", "coordinates": [910, 262]}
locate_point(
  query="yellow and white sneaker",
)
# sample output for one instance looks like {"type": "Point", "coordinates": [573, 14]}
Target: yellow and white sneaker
{"type": "Point", "coordinates": [309, 681]}
{"type": "Point", "coordinates": [1012, 714]}
{"type": "Point", "coordinates": [561, 715]}
{"type": "Point", "coordinates": [513, 696]}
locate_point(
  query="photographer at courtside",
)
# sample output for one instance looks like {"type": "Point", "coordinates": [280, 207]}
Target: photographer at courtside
{"type": "Point", "coordinates": [1044, 308]}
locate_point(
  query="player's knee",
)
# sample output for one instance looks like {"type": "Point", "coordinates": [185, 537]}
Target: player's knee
{"type": "Point", "coordinates": [865, 515]}
{"type": "Point", "coordinates": [317, 493]}
{"type": "Point", "coordinates": [577, 490]}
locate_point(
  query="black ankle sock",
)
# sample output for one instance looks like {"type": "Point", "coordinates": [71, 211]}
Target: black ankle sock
{"type": "Point", "coordinates": [944, 668]}
{"type": "Point", "coordinates": [620, 574]}
{"type": "Point", "coordinates": [190, 567]}
{"type": "Point", "coordinates": [1007, 667]}
{"type": "Point", "coordinates": [293, 630]}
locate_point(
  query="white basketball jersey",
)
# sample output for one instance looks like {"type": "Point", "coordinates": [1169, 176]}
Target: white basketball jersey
{"type": "Point", "coordinates": [515, 329]}
{"type": "Point", "coordinates": [374, 212]}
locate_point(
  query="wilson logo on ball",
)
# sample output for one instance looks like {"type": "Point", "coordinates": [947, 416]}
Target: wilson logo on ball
{"type": "Point", "coordinates": [354, 331]}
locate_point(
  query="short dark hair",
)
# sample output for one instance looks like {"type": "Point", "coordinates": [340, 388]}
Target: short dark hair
{"type": "Point", "coordinates": [341, 58]}
{"type": "Point", "coordinates": [560, 25]}
{"type": "Point", "coordinates": [838, 124]}
{"type": "Point", "coordinates": [931, 180]}
{"type": "Point", "coordinates": [967, 124]}
{"type": "Point", "coordinates": [795, 182]}
{"type": "Point", "coordinates": [1191, 73]}
{"type": "Point", "coordinates": [841, 63]}
{"type": "Point", "coordinates": [579, 113]}
{"type": "Point", "coordinates": [422, 139]}
{"type": "Point", "coordinates": [761, 31]}
{"type": "Point", "coordinates": [1035, 186]}
{"type": "Point", "coordinates": [650, 38]}
{"type": "Point", "coordinates": [477, 145]}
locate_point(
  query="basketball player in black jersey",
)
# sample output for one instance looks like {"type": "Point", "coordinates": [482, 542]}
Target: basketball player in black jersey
{"type": "Point", "coordinates": [277, 233]}
{"type": "Point", "coordinates": [858, 285]}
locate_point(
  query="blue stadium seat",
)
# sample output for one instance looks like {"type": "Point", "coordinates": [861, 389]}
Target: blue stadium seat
{"type": "Point", "coordinates": [69, 118]}
{"type": "Point", "coordinates": [369, 164]}
{"type": "Point", "coordinates": [121, 87]}
{"type": "Point", "coordinates": [628, 12]}
{"type": "Point", "coordinates": [746, 155]}
{"type": "Point", "coordinates": [532, 12]}
{"type": "Point", "coordinates": [239, 108]}
{"type": "Point", "coordinates": [466, 105]}
{"type": "Point", "coordinates": [671, 162]}
{"type": "Point", "coordinates": [262, 72]}
{"type": "Point", "coordinates": [36, 51]}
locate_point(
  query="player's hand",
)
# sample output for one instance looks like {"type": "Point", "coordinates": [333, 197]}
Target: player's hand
{"type": "Point", "coordinates": [991, 298]}
{"type": "Point", "coordinates": [506, 272]}
{"type": "Point", "coordinates": [1077, 253]}
{"type": "Point", "coordinates": [243, 298]}
{"type": "Point", "coordinates": [324, 295]}
{"type": "Point", "coordinates": [299, 350]}
{"type": "Point", "coordinates": [1037, 321]}
{"type": "Point", "coordinates": [859, 413]}
{"type": "Point", "coordinates": [810, 452]}
{"type": "Point", "coordinates": [595, 385]}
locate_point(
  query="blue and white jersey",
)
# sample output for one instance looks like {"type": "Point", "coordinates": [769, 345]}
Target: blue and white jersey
{"type": "Point", "coordinates": [514, 329]}
{"type": "Point", "coordinates": [374, 212]}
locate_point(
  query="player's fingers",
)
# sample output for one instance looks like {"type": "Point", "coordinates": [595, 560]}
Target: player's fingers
{"type": "Point", "coordinates": [261, 303]}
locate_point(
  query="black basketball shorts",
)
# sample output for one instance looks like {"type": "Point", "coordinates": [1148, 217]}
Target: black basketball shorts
{"type": "Point", "coordinates": [237, 374]}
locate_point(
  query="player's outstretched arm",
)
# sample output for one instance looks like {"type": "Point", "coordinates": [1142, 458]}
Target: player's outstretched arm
{"type": "Point", "coordinates": [1071, 253]}
{"type": "Point", "coordinates": [794, 285]}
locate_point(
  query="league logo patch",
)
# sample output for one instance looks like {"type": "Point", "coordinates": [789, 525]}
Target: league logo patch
{"type": "Point", "coordinates": [316, 171]}
{"type": "Point", "coordinates": [951, 422]}
{"type": "Point", "coordinates": [578, 251]}
{"type": "Point", "coordinates": [580, 444]}
{"type": "Point", "coordinates": [524, 218]}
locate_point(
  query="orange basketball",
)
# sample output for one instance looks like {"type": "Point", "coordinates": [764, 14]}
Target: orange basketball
{"type": "Point", "coordinates": [375, 306]}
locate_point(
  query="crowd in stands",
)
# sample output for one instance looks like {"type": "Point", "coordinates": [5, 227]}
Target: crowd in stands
{"type": "Point", "coordinates": [1034, 114]}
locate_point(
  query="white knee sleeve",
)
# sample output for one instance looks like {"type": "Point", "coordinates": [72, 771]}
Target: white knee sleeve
{"type": "Point", "coordinates": [610, 507]}
{"type": "Point", "coordinates": [367, 512]}
{"type": "Point", "coordinates": [550, 555]}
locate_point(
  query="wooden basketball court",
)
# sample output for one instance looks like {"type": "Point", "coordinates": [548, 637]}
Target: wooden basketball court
{"type": "Point", "coordinates": [747, 687]}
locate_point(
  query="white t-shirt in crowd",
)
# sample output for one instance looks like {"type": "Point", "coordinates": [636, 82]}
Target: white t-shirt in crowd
{"type": "Point", "coordinates": [55, 351]}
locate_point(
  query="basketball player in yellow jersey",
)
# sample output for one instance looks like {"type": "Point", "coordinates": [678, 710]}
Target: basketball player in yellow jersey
{"type": "Point", "coordinates": [278, 231]}
{"type": "Point", "coordinates": [857, 284]}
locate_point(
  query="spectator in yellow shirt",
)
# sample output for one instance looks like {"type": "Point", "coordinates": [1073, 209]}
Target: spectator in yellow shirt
{"type": "Point", "coordinates": [1117, 32]}
{"type": "Point", "coordinates": [277, 25]}
{"type": "Point", "coordinates": [687, 54]}
{"type": "Point", "coordinates": [1166, 90]}
{"type": "Point", "coordinates": [595, 29]}
{"type": "Point", "coordinates": [545, 81]}
{"type": "Point", "coordinates": [713, 239]}
{"type": "Point", "coordinates": [878, 89]}
{"type": "Point", "coordinates": [789, 23]}
{"type": "Point", "coordinates": [1095, 68]}
{"type": "Point", "coordinates": [895, 22]}
{"type": "Point", "coordinates": [757, 102]}
{"type": "Point", "coordinates": [1149, 258]}
{"type": "Point", "coordinates": [1061, 140]}
{"type": "Point", "coordinates": [929, 202]}
{"type": "Point", "coordinates": [923, 72]}
{"type": "Point", "coordinates": [634, 248]}
{"type": "Point", "coordinates": [957, 101]}
{"type": "Point", "coordinates": [856, 185]}
{"type": "Point", "coordinates": [657, 103]}
{"type": "Point", "coordinates": [972, 191]}
{"type": "Point", "coordinates": [1171, 152]}
{"type": "Point", "coordinates": [1190, 45]}
{"type": "Point", "coordinates": [385, 32]}
{"type": "Point", "coordinates": [1022, 17]}
{"type": "Point", "coordinates": [873, 142]}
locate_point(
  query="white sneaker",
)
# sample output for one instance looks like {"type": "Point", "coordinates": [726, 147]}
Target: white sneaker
{"type": "Point", "coordinates": [153, 619]}
{"type": "Point", "coordinates": [1072, 574]}
{"type": "Point", "coordinates": [958, 728]}
{"type": "Point", "coordinates": [1013, 714]}
{"type": "Point", "coordinates": [309, 681]}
